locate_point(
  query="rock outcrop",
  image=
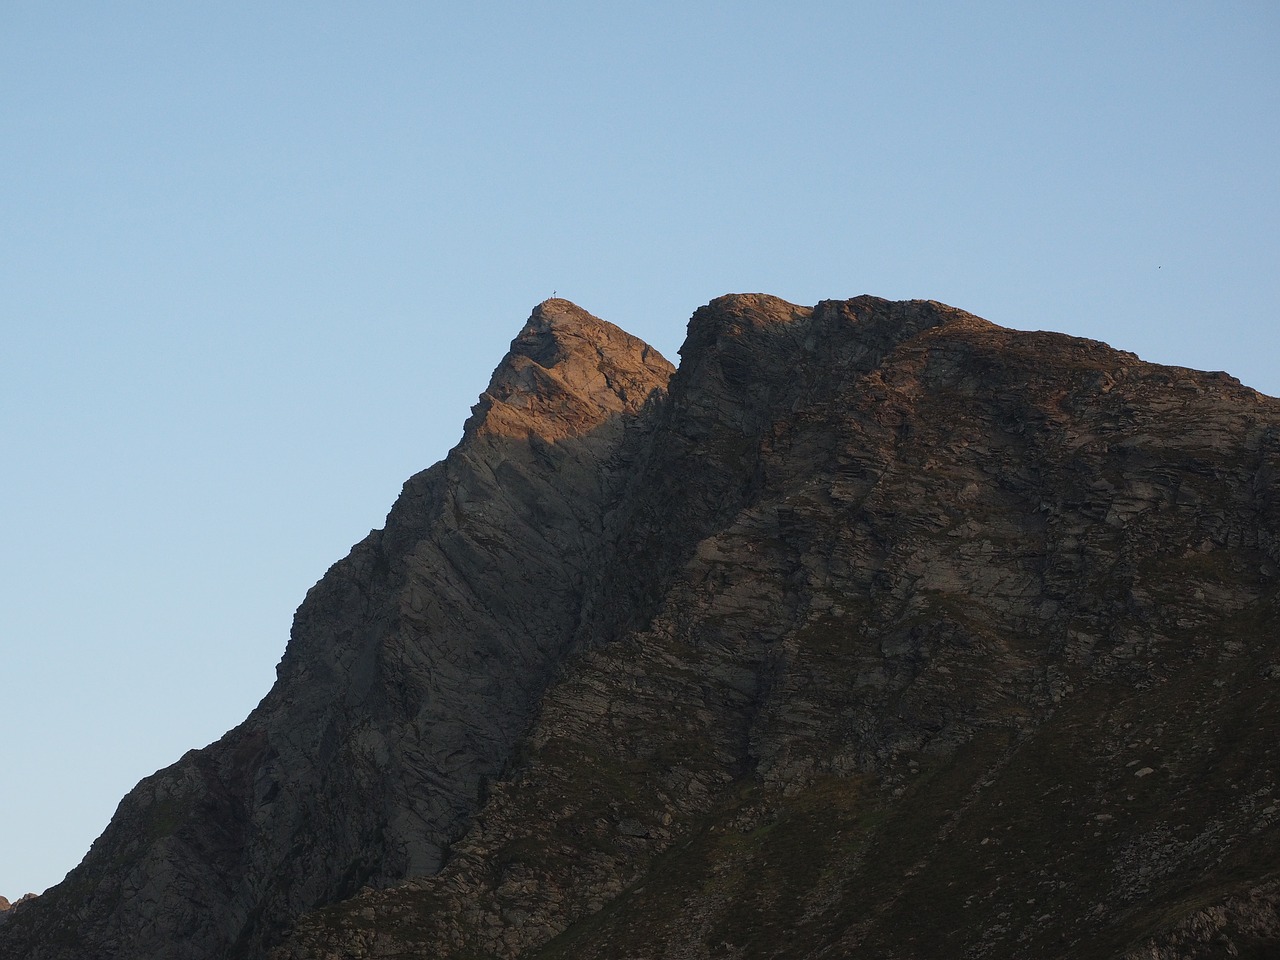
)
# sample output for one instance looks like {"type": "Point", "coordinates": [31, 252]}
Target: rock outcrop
{"type": "Point", "coordinates": [875, 630]}
{"type": "Point", "coordinates": [413, 667]}
{"type": "Point", "coordinates": [7, 908]}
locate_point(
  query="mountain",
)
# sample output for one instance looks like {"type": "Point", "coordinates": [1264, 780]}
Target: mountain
{"type": "Point", "coordinates": [875, 629]}
{"type": "Point", "coordinates": [6, 908]}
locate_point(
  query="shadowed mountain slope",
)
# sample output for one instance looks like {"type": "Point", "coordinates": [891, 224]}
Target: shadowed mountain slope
{"type": "Point", "coordinates": [879, 630]}
{"type": "Point", "coordinates": [413, 667]}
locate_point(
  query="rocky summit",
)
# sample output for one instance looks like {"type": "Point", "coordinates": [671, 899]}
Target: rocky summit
{"type": "Point", "coordinates": [873, 630]}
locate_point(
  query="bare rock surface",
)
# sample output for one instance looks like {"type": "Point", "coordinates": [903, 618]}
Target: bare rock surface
{"type": "Point", "coordinates": [413, 667]}
{"type": "Point", "coordinates": [7, 908]}
{"type": "Point", "coordinates": [877, 630]}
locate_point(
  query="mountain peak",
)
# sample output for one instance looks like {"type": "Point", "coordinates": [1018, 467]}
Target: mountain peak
{"type": "Point", "coordinates": [557, 307]}
{"type": "Point", "coordinates": [876, 629]}
{"type": "Point", "coordinates": [566, 373]}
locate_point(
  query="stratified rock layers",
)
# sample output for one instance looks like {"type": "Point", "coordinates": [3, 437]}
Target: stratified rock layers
{"type": "Point", "coordinates": [413, 667]}
{"type": "Point", "coordinates": [878, 631]}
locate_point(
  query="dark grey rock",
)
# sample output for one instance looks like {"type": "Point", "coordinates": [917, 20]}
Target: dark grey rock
{"type": "Point", "coordinates": [879, 630]}
{"type": "Point", "coordinates": [412, 669]}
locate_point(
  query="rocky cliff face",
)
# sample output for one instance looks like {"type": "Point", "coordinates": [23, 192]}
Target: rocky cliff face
{"type": "Point", "coordinates": [876, 629]}
{"type": "Point", "coordinates": [7, 908]}
{"type": "Point", "coordinates": [413, 668]}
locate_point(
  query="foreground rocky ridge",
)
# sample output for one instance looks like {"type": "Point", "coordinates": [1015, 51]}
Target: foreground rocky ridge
{"type": "Point", "coordinates": [885, 631]}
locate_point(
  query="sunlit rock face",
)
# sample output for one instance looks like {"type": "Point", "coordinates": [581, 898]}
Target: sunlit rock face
{"type": "Point", "coordinates": [874, 630]}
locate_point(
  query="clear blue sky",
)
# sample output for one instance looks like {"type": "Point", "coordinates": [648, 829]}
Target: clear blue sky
{"type": "Point", "coordinates": [258, 260]}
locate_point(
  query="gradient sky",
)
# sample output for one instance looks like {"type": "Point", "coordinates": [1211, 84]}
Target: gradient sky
{"type": "Point", "coordinates": [258, 260]}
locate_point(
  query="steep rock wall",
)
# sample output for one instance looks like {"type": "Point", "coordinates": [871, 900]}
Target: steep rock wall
{"type": "Point", "coordinates": [933, 639]}
{"type": "Point", "coordinates": [885, 632]}
{"type": "Point", "coordinates": [413, 667]}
